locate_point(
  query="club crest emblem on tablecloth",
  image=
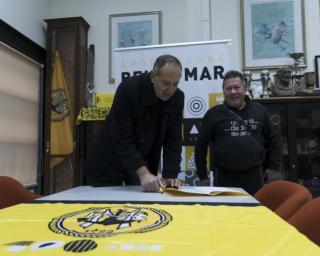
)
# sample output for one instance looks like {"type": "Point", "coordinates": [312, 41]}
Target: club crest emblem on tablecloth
{"type": "Point", "coordinates": [110, 221]}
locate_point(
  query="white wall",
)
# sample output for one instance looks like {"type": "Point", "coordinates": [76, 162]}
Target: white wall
{"type": "Point", "coordinates": [182, 21]}
{"type": "Point", "coordinates": [312, 31]}
{"type": "Point", "coordinates": [226, 23]}
{"type": "Point", "coordinates": [26, 16]}
{"type": "Point", "coordinates": [225, 20]}
{"type": "Point", "coordinates": [179, 24]}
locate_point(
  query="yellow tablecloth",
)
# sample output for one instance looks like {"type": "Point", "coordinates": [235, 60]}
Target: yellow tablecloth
{"type": "Point", "coordinates": [147, 229]}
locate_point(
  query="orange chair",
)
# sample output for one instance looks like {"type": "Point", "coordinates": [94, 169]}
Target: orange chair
{"type": "Point", "coordinates": [283, 197]}
{"type": "Point", "coordinates": [12, 192]}
{"type": "Point", "coordinates": [307, 220]}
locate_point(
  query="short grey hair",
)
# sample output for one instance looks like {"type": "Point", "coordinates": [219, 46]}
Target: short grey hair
{"type": "Point", "coordinates": [163, 60]}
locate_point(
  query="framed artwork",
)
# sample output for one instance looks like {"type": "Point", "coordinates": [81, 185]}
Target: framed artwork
{"type": "Point", "coordinates": [132, 29]}
{"type": "Point", "coordinates": [271, 29]}
{"type": "Point", "coordinates": [317, 70]}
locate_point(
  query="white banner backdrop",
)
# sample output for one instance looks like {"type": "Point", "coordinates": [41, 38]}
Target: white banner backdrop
{"type": "Point", "coordinates": [203, 66]}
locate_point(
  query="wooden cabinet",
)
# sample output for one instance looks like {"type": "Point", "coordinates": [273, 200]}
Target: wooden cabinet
{"type": "Point", "coordinates": [92, 131]}
{"type": "Point", "coordinates": [298, 122]}
{"type": "Point", "coordinates": [69, 37]}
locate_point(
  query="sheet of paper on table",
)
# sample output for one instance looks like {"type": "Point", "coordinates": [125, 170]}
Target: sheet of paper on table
{"type": "Point", "coordinates": [201, 191]}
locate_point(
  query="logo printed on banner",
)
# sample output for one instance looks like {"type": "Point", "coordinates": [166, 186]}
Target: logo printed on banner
{"type": "Point", "coordinates": [196, 106]}
{"type": "Point", "coordinates": [215, 99]}
{"type": "Point", "coordinates": [189, 158]}
{"type": "Point", "coordinates": [190, 130]}
{"type": "Point", "coordinates": [191, 162]}
{"type": "Point", "coordinates": [194, 130]}
{"type": "Point", "coordinates": [110, 221]}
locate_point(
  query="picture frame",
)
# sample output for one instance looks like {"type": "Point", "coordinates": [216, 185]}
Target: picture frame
{"type": "Point", "coordinates": [317, 70]}
{"type": "Point", "coordinates": [131, 30]}
{"type": "Point", "coordinates": [271, 29]}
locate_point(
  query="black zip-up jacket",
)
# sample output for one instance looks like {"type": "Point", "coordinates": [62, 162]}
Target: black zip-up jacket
{"type": "Point", "coordinates": [138, 125]}
{"type": "Point", "coordinates": [239, 139]}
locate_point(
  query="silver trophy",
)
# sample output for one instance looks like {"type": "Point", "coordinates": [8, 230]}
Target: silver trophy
{"type": "Point", "coordinates": [247, 79]}
{"type": "Point", "coordinates": [298, 58]}
{"type": "Point", "coordinates": [265, 78]}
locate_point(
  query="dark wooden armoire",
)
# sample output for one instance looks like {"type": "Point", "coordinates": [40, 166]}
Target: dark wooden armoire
{"type": "Point", "coordinates": [69, 37]}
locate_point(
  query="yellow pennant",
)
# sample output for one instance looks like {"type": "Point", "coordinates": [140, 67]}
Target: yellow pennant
{"type": "Point", "coordinates": [61, 137]}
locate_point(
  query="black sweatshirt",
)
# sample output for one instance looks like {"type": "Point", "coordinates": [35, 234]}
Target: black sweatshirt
{"type": "Point", "coordinates": [240, 139]}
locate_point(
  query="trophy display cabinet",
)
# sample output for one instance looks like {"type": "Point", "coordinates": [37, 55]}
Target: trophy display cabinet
{"type": "Point", "coordinates": [298, 122]}
{"type": "Point", "coordinates": [68, 36]}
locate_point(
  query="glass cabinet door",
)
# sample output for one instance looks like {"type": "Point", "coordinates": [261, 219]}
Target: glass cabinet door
{"type": "Point", "coordinates": [278, 116]}
{"type": "Point", "coordinates": [307, 128]}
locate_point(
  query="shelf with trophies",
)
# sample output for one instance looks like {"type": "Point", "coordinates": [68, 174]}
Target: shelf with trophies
{"type": "Point", "coordinates": [288, 81]}
{"type": "Point", "coordinates": [293, 102]}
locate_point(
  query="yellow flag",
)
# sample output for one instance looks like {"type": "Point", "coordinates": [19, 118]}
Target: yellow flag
{"type": "Point", "coordinates": [61, 137]}
{"type": "Point", "coordinates": [89, 229]}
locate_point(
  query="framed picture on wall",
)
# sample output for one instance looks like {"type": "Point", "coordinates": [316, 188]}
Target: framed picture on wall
{"type": "Point", "coordinates": [132, 29]}
{"type": "Point", "coordinates": [271, 29]}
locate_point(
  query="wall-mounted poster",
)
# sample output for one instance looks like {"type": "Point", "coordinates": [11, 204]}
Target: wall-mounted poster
{"type": "Point", "coordinates": [133, 29]}
{"type": "Point", "coordinates": [271, 30]}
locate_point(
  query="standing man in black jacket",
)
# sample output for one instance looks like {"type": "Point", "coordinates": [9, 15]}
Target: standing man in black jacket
{"type": "Point", "coordinates": [145, 117]}
{"type": "Point", "coordinates": [243, 139]}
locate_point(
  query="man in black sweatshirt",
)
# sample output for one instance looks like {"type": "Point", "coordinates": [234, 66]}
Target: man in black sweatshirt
{"type": "Point", "coordinates": [243, 140]}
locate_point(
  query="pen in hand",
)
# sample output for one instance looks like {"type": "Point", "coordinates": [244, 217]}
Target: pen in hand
{"type": "Point", "coordinates": [162, 185]}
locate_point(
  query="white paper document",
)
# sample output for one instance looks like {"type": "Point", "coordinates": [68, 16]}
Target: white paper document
{"type": "Point", "coordinates": [200, 191]}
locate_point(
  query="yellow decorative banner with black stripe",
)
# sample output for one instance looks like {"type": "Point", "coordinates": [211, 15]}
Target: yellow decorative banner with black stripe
{"type": "Point", "coordinates": [92, 114]}
{"type": "Point", "coordinates": [153, 229]}
{"type": "Point", "coordinates": [103, 105]}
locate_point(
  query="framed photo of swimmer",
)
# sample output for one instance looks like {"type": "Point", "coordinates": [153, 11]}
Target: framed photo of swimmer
{"type": "Point", "coordinates": [132, 30]}
{"type": "Point", "coordinates": [271, 29]}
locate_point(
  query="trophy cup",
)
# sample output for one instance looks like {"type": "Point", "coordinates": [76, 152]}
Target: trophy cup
{"type": "Point", "coordinates": [247, 79]}
{"type": "Point", "coordinates": [297, 67]}
{"type": "Point", "coordinates": [265, 78]}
